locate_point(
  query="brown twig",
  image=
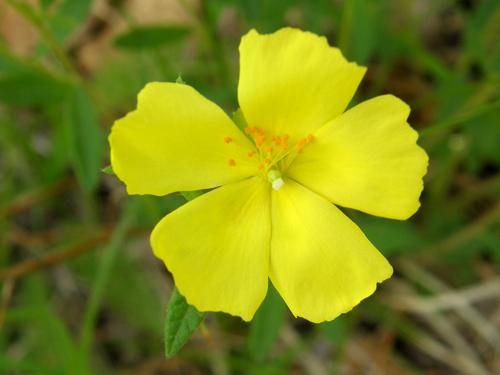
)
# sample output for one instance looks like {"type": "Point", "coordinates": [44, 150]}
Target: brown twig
{"type": "Point", "coordinates": [460, 301]}
{"type": "Point", "coordinates": [56, 257]}
{"type": "Point", "coordinates": [474, 191]}
{"type": "Point", "coordinates": [7, 291]}
{"type": "Point", "coordinates": [25, 238]}
{"type": "Point", "coordinates": [438, 351]}
{"type": "Point", "coordinates": [28, 199]}
{"type": "Point", "coordinates": [454, 299]}
{"type": "Point", "coordinates": [458, 354]}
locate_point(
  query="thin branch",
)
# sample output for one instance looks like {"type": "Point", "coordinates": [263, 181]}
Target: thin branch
{"type": "Point", "coordinates": [476, 191]}
{"type": "Point", "coordinates": [449, 300]}
{"type": "Point", "coordinates": [438, 351]}
{"type": "Point", "coordinates": [25, 200]}
{"type": "Point", "coordinates": [460, 356]}
{"type": "Point", "coordinates": [60, 256]}
{"type": "Point", "coordinates": [457, 120]}
{"type": "Point", "coordinates": [7, 292]}
{"type": "Point", "coordinates": [55, 257]}
{"type": "Point", "coordinates": [462, 236]}
{"type": "Point", "coordinates": [461, 302]}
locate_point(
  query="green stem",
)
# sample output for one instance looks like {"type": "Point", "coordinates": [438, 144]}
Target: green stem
{"type": "Point", "coordinates": [452, 122]}
{"type": "Point", "coordinates": [344, 40]}
{"type": "Point", "coordinates": [37, 20]}
{"type": "Point", "coordinates": [215, 45]}
{"type": "Point", "coordinates": [104, 272]}
{"type": "Point", "coordinates": [209, 33]}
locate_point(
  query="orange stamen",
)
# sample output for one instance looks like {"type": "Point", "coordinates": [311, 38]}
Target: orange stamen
{"type": "Point", "coordinates": [231, 162]}
{"type": "Point", "coordinates": [301, 143]}
{"type": "Point", "coordinates": [228, 140]}
{"type": "Point", "coordinates": [259, 140]}
{"type": "Point", "coordinates": [272, 148]}
{"type": "Point", "coordinates": [284, 143]}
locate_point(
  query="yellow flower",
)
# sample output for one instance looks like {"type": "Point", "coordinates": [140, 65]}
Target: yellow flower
{"type": "Point", "coordinates": [274, 214]}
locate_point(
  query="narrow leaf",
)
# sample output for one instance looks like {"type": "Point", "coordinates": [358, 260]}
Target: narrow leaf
{"type": "Point", "coordinates": [266, 325]}
{"type": "Point", "coordinates": [150, 37]}
{"type": "Point", "coordinates": [108, 170]}
{"type": "Point", "coordinates": [30, 88]}
{"type": "Point", "coordinates": [84, 137]}
{"type": "Point", "coordinates": [190, 195]}
{"type": "Point", "coordinates": [182, 319]}
{"type": "Point", "coordinates": [239, 119]}
{"type": "Point", "coordinates": [181, 322]}
{"type": "Point", "coordinates": [67, 17]}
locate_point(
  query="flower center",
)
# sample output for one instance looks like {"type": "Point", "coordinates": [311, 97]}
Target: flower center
{"type": "Point", "coordinates": [274, 177]}
{"type": "Point", "coordinates": [271, 151]}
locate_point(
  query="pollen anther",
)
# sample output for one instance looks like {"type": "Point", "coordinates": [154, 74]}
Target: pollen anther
{"type": "Point", "coordinates": [231, 162]}
{"type": "Point", "coordinates": [228, 140]}
{"type": "Point", "coordinates": [273, 148]}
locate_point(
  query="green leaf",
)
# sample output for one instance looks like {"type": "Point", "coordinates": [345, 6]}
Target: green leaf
{"type": "Point", "coordinates": [483, 137]}
{"type": "Point", "coordinates": [266, 325]}
{"type": "Point", "coordinates": [481, 35]}
{"type": "Point", "coordinates": [38, 317]}
{"type": "Point", "coordinates": [190, 195]}
{"type": "Point", "coordinates": [337, 330]}
{"type": "Point", "coordinates": [10, 64]}
{"type": "Point", "coordinates": [102, 278]}
{"type": "Point", "coordinates": [150, 37]}
{"type": "Point", "coordinates": [84, 137]}
{"type": "Point", "coordinates": [30, 88]}
{"type": "Point", "coordinates": [239, 119]}
{"type": "Point", "coordinates": [108, 170]}
{"type": "Point", "coordinates": [65, 16]}
{"type": "Point", "coordinates": [181, 321]}
{"type": "Point", "coordinates": [391, 237]}
{"type": "Point", "coordinates": [24, 82]}
{"type": "Point", "coordinates": [360, 29]}
{"type": "Point", "coordinates": [46, 3]}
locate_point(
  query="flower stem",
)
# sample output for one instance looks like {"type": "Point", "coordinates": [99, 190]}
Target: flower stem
{"type": "Point", "coordinates": [452, 122]}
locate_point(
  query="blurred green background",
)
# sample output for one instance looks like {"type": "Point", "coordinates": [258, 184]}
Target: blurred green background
{"type": "Point", "coordinates": [80, 291]}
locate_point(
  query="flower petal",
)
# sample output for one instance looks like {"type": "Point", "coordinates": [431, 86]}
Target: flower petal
{"type": "Point", "coordinates": [293, 82]}
{"type": "Point", "coordinates": [175, 141]}
{"type": "Point", "coordinates": [321, 262]}
{"type": "Point", "coordinates": [366, 159]}
{"type": "Point", "coordinates": [217, 247]}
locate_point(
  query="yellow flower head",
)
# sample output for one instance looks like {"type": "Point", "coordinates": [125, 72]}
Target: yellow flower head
{"type": "Point", "coordinates": [273, 213]}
